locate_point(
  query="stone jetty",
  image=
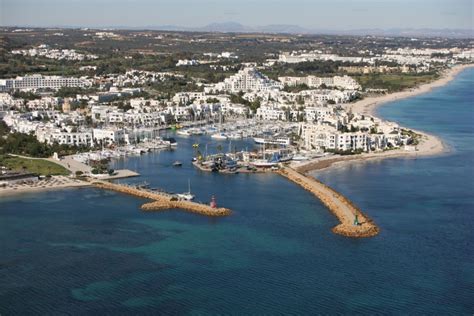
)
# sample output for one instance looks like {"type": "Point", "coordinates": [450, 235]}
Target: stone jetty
{"type": "Point", "coordinates": [163, 201]}
{"type": "Point", "coordinates": [354, 223]}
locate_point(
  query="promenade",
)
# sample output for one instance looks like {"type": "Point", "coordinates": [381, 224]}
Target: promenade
{"type": "Point", "coordinates": [340, 206]}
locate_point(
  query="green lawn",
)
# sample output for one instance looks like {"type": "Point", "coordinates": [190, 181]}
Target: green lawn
{"type": "Point", "coordinates": [39, 166]}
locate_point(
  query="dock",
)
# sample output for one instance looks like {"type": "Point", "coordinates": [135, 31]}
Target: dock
{"type": "Point", "coordinates": [163, 201]}
{"type": "Point", "coordinates": [353, 222]}
{"type": "Point", "coordinates": [239, 169]}
{"type": "Point", "coordinates": [118, 174]}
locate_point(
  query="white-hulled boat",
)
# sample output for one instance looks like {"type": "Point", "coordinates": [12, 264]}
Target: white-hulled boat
{"type": "Point", "coordinates": [183, 132]}
{"type": "Point", "coordinates": [219, 136]}
{"type": "Point", "coordinates": [188, 196]}
{"type": "Point", "coordinates": [272, 140]}
{"type": "Point", "coordinates": [262, 163]}
{"type": "Point", "coordinates": [235, 135]}
{"type": "Point", "coordinates": [299, 157]}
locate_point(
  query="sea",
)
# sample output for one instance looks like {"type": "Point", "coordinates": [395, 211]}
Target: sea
{"type": "Point", "coordinates": [89, 251]}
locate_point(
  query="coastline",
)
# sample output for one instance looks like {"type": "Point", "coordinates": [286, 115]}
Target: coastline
{"type": "Point", "coordinates": [430, 145]}
{"type": "Point", "coordinates": [55, 183]}
{"type": "Point", "coordinates": [59, 183]}
{"type": "Point", "coordinates": [368, 105]}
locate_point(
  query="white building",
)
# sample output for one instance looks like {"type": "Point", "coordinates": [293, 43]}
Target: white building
{"type": "Point", "coordinates": [344, 82]}
{"type": "Point", "coordinates": [109, 135]}
{"type": "Point", "coordinates": [40, 82]}
{"type": "Point", "coordinates": [318, 114]}
{"type": "Point", "coordinates": [65, 137]}
{"type": "Point", "coordinates": [271, 113]}
{"type": "Point", "coordinates": [323, 137]}
{"type": "Point", "coordinates": [247, 80]}
{"type": "Point", "coordinates": [186, 62]}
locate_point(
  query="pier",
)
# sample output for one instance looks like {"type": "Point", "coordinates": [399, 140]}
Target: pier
{"type": "Point", "coordinates": [353, 223]}
{"type": "Point", "coordinates": [163, 201]}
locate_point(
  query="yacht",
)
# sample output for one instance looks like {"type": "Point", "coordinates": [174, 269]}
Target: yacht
{"type": "Point", "coordinates": [183, 132]}
{"type": "Point", "coordinates": [171, 141]}
{"type": "Point", "coordinates": [219, 136]}
{"type": "Point", "coordinates": [188, 196]}
{"type": "Point", "coordinates": [195, 131]}
{"type": "Point", "coordinates": [272, 140]}
{"type": "Point", "coordinates": [235, 135]}
{"type": "Point", "coordinates": [263, 163]}
{"type": "Point", "coordinates": [299, 157]}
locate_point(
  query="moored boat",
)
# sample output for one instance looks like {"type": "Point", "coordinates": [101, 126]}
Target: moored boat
{"type": "Point", "coordinates": [219, 136]}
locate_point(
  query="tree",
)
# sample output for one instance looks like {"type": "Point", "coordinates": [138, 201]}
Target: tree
{"type": "Point", "coordinates": [255, 105]}
{"type": "Point", "coordinates": [300, 100]}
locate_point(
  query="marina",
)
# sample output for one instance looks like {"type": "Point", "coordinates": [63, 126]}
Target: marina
{"type": "Point", "coordinates": [274, 225]}
{"type": "Point", "coordinates": [247, 158]}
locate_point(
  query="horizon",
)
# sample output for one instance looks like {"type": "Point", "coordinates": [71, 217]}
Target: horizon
{"type": "Point", "coordinates": [284, 29]}
{"type": "Point", "coordinates": [339, 15]}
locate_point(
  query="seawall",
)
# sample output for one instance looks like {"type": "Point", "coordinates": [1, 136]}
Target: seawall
{"type": "Point", "coordinates": [163, 202]}
{"type": "Point", "coordinates": [339, 205]}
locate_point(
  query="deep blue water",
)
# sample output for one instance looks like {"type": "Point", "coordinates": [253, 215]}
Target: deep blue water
{"type": "Point", "coordinates": [87, 251]}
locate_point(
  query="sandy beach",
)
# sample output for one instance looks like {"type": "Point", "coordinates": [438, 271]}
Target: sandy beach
{"type": "Point", "coordinates": [368, 105]}
{"type": "Point", "coordinates": [53, 183]}
{"type": "Point", "coordinates": [429, 145]}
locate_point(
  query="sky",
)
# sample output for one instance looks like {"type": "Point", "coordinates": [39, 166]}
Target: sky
{"type": "Point", "coordinates": [312, 14]}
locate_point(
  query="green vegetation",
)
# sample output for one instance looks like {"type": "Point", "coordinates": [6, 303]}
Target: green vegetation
{"type": "Point", "coordinates": [394, 81]}
{"type": "Point", "coordinates": [28, 145]}
{"type": "Point", "coordinates": [414, 137]}
{"type": "Point", "coordinates": [345, 152]}
{"type": "Point", "coordinates": [238, 99]}
{"type": "Point", "coordinates": [173, 85]}
{"type": "Point", "coordinates": [316, 68]}
{"type": "Point", "coordinates": [67, 92]}
{"type": "Point", "coordinates": [38, 166]}
{"type": "Point", "coordinates": [101, 167]}
{"type": "Point", "coordinates": [297, 88]}
{"type": "Point", "coordinates": [25, 95]}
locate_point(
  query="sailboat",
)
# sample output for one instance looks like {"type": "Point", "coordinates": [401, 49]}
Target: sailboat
{"type": "Point", "coordinates": [219, 135]}
{"type": "Point", "coordinates": [265, 163]}
{"type": "Point", "coordinates": [188, 196]}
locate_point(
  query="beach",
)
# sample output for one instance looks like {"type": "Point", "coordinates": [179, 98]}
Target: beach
{"type": "Point", "coordinates": [368, 105]}
{"type": "Point", "coordinates": [53, 183]}
{"type": "Point", "coordinates": [429, 145]}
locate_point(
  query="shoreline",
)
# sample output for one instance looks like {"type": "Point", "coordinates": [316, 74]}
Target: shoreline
{"type": "Point", "coordinates": [60, 182]}
{"type": "Point", "coordinates": [55, 183]}
{"type": "Point", "coordinates": [368, 105]}
{"type": "Point", "coordinates": [430, 145]}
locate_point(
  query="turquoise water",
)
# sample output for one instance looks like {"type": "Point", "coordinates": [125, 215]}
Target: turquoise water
{"type": "Point", "coordinates": [87, 251]}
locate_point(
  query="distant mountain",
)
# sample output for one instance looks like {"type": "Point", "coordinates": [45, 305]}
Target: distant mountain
{"type": "Point", "coordinates": [283, 28]}
{"type": "Point", "coordinates": [235, 27]}
{"type": "Point", "coordinates": [410, 32]}
{"type": "Point", "coordinates": [226, 27]}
